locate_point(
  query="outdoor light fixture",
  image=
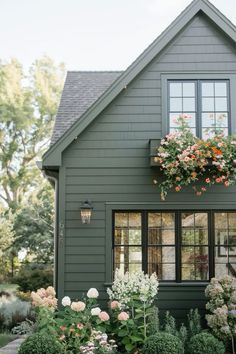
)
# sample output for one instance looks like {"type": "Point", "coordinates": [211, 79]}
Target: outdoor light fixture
{"type": "Point", "coordinates": [86, 212]}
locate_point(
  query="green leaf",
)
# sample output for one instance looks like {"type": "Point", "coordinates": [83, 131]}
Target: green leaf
{"type": "Point", "coordinates": [129, 347]}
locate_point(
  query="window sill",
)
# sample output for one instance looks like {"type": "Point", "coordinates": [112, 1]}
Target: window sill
{"type": "Point", "coordinates": [174, 284]}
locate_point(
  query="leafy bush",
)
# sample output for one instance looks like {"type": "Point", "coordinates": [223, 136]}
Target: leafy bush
{"type": "Point", "coordinates": [33, 277]}
{"type": "Point", "coordinates": [13, 311]}
{"type": "Point", "coordinates": [205, 343]}
{"type": "Point", "coordinates": [40, 343]}
{"type": "Point", "coordinates": [163, 343]}
{"type": "Point", "coordinates": [25, 327]}
{"type": "Point", "coordinates": [194, 323]}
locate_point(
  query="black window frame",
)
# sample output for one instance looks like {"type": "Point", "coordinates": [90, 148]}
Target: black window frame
{"type": "Point", "coordinates": [178, 240]}
{"type": "Point", "coordinates": [198, 101]}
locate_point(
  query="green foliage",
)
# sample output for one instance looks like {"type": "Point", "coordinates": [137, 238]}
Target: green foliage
{"type": "Point", "coordinates": [154, 322]}
{"type": "Point", "coordinates": [169, 324]}
{"type": "Point", "coordinates": [13, 311]}
{"type": "Point", "coordinates": [194, 322]}
{"type": "Point", "coordinates": [40, 343]}
{"type": "Point", "coordinates": [31, 277]}
{"type": "Point", "coordinates": [28, 107]}
{"type": "Point", "coordinates": [163, 343]}
{"type": "Point", "coordinates": [205, 343]}
{"type": "Point", "coordinates": [33, 226]}
{"type": "Point", "coordinates": [25, 327]}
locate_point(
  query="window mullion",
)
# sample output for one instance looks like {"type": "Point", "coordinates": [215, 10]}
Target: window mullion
{"type": "Point", "coordinates": [211, 231]}
{"type": "Point", "coordinates": [178, 246]}
{"type": "Point", "coordinates": [145, 242]}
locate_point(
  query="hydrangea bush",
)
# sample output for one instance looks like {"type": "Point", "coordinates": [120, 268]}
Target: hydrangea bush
{"type": "Point", "coordinates": [222, 307]}
{"type": "Point", "coordinates": [131, 296]}
{"type": "Point", "coordinates": [184, 159]}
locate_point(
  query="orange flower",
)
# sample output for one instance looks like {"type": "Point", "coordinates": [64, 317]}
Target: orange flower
{"type": "Point", "coordinates": [194, 174]}
{"type": "Point", "coordinates": [216, 151]}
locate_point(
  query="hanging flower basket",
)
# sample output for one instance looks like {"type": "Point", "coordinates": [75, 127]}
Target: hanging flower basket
{"type": "Point", "coordinates": [187, 160]}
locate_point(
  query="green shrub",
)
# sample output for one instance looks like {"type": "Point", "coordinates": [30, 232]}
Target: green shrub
{"type": "Point", "coordinates": [31, 278]}
{"type": "Point", "coordinates": [40, 343]}
{"type": "Point", "coordinates": [163, 343]}
{"type": "Point", "coordinates": [205, 343]}
{"type": "Point", "coordinates": [194, 323]}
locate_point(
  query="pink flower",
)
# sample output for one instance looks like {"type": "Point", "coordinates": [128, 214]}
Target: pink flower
{"type": "Point", "coordinates": [218, 180]}
{"type": "Point", "coordinates": [62, 328]}
{"type": "Point", "coordinates": [80, 325]}
{"type": "Point", "coordinates": [203, 189]}
{"type": "Point", "coordinates": [114, 305]}
{"type": "Point", "coordinates": [208, 180]}
{"type": "Point", "coordinates": [233, 142]}
{"type": "Point", "coordinates": [62, 337]}
{"type": "Point", "coordinates": [123, 316]}
{"type": "Point", "coordinates": [226, 183]}
{"type": "Point", "coordinates": [77, 306]}
{"type": "Point", "coordinates": [104, 316]}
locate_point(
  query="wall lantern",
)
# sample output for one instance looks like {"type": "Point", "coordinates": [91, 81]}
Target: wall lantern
{"type": "Point", "coordinates": [86, 212]}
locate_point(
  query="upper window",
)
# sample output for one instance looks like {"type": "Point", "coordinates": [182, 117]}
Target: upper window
{"type": "Point", "coordinates": [178, 246]}
{"type": "Point", "coordinates": [205, 104]}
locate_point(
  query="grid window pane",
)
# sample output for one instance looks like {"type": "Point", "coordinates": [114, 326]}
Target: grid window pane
{"type": "Point", "coordinates": [194, 249]}
{"type": "Point", "coordinates": [220, 89]}
{"type": "Point", "coordinates": [176, 104]}
{"type": "Point", "coordinates": [225, 243]}
{"type": "Point", "coordinates": [128, 241]}
{"type": "Point", "coordinates": [188, 89]}
{"type": "Point", "coordinates": [175, 89]}
{"type": "Point", "coordinates": [161, 244]}
{"type": "Point", "coordinates": [207, 89]}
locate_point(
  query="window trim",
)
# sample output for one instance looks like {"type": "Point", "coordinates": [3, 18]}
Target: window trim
{"type": "Point", "coordinates": [178, 245]}
{"type": "Point", "coordinates": [198, 101]}
{"type": "Point", "coordinates": [191, 76]}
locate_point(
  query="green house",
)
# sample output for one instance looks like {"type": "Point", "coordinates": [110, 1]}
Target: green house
{"type": "Point", "coordinates": [106, 128]}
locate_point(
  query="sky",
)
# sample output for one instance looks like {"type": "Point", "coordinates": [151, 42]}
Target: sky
{"type": "Point", "coordinates": [87, 34]}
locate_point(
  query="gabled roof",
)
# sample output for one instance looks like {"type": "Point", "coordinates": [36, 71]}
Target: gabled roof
{"type": "Point", "coordinates": [81, 90]}
{"type": "Point", "coordinates": [53, 156]}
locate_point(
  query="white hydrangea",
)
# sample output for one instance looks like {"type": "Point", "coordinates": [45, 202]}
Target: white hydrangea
{"type": "Point", "coordinates": [129, 285]}
{"type": "Point", "coordinates": [95, 311]}
{"type": "Point", "coordinates": [92, 293]}
{"type": "Point", "coordinates": [66, 301]}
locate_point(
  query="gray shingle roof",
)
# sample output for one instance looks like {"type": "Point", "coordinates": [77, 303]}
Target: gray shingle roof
{"type": "Point", "coordinates": [81, 90]}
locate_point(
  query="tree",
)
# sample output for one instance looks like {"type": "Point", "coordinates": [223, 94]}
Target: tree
{"type": "Point", "coordinates": [28, 105]}
{"type": "Point", "coordinates": [6, 239]}
{"type": "Point", "coordinates": [33, 226]}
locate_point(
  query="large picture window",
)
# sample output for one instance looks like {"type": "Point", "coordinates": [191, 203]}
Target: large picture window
{"type": "Point", "coordinates": [177, 245]}
{"type": "Point", "coordinates": [204, 102]}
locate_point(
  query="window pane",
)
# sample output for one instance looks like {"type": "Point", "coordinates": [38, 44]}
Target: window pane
{"type": "Point", "coordinates": [158, 236]}
{"type": "Point", "coordinates": [135, 220]}
{"type": "Point", "coordinates": [225, 240]}
{"type": "Point", "coordinates": [201, 220]}
{"type": "Point", "coordinates": [127, 256]}
{"type": "Point", "coordinates": [187, 219]}
{"type": "Point", "coordinates": [176, 104]}
{"type": "Point", "coordinates": [188, 104]}
{"type": "Point", "coordinates": [175, 89]}
{"type": "Point", "coordinates": [121, 219]}
{"type": "Point", "coordinates": [188, 237]}
{"type": "Point", "coordinates": [232, 220]}
{"type": "Point", "coordinates": [221, 220]}
{"type": "Point", "coordinates": [168, 220]}
{"type": "Point", "coordinates": [208, 104]}
{"type": "Point", "coordinates": [201, 237]}
{"type": "Point", "coordinates": [163, 271]}
{"type": "Point", "coordinates": [188, 89]}
{"type": "Point", "coordinates": [221, 104]}
{"type": "Point", "coordinates": [208, 120]}
{"type": "Point", "coordinates": [222, 119]}
{"type": "Point", "coordinates": [154, 219]}
{"type": "Point", "coordinates": [220, 89]}
{"type": "Point", "coordinates": [207, 89]}
{"type": "Point", "coordinates": [162, 261]}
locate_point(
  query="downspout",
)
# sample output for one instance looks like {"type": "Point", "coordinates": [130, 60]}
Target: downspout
{"type": "Point", "coordinates": [53, 178]}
